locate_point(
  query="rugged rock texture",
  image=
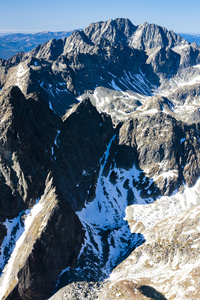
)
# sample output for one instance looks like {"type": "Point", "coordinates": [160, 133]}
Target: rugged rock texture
{"type": "Point", "coordinates": [86, 184]}
{"type": "Point", "coordinates": [75, 290]}
{"type": "Point", "coordinates": [115, 31]}
{"type": "Point", "coordinates": [52, 245]}
{"type": "Point", "coordinates": [80, 145]}
{"type": "Point", "coordinates": [33, 273]}
{"type": "Point", "coordinates": [164, 62]}
{"type": "Point", "coordinates": [150, 36]}
{"type": "Point", "coordinates": [49, 51]}
{"type": "Point", "coordinates": [167, 150]}
{"type": "Point", "coordinates": [28, 130]}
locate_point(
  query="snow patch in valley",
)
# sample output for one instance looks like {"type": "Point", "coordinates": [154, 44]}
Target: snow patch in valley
{"type": "Point", "coordinates": [109, 228]}
{"type": "Point", "coordinates": [169, 259]}
{"type": "Point", "coordinates": [108, 239]}
{"type": "Point", "coordinates": [53, 91]}
{"type": "Point", "coordinates": [181, 47]}
{"type": "Point", "coordinates": [150, 111]}
{"type": "Point", "coordinates": [112, 75]}
{"type": "Point", "coordinates": [182, 83]}
{"type": "Point", "coordinates": [61, 91]}
{"type": "Point", "coordinates": [182, 140]}
{"type": "Point", "coordinates": [55, 144]}
{"type": "Point", "coordinates": [165, 206]}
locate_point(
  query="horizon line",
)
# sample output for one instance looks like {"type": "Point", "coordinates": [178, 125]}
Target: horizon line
{"type": "Point", "coordinates": [10, 31]}
{"type": "Point", "coordinates": [32, 31]}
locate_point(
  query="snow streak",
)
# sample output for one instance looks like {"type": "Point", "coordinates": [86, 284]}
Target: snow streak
{"type": "Point", "coordinates": [108, 239]}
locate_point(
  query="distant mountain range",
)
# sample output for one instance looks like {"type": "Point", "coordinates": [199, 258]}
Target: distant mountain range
{"type": "Point", "coordinates": [191, 38]}
{"type": "Point", "coordinates": [20, 42]}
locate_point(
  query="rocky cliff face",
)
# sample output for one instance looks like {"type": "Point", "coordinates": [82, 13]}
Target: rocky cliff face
{"type": "Point", "coordinates": [25, 147]}
{"type": "Point", "coordinates": [100, 165]}
{"type": "Point", "coordinates": [41, 161]}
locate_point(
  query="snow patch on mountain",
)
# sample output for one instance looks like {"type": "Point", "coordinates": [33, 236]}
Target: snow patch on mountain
{"type": "Point", "coordinates": [108, 239]}
{"type": "Point", "coordinates": [15, 228]}
{"type": "Point", "coordinates": [164, 207]}
{"type": "Point", "coordinates": [30, 216]}
{"type": "Point", "coordinates": [180, 82]}
{"type": "Point", "coordinates": [168, 261]}
{"type": "Point", "coordinates": [115, 87]}
{"type": "Point", "coordinates": [21, 74]}
{"type": "Point", "coordinates": [50, 106]}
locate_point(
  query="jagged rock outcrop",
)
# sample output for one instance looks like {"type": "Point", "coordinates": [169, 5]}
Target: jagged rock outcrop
{"type": "Point", "coordinates": [150, 36]}
{"type": "Point", "coordinates": [164, 61]}
{"type": "Point", "coordinates": [157, 142]}
{"type": "Point", "coordinates": [27, 130]}
{"type": "Point", "coordinates": [115, 31]}
{"type": "Point", "coordinates": [191, 56]}
{"type": "Point", "coordinates": [80, 145]}
{"type": "Point", "coordinates": [167, 150]}
{"type": "Point", "coordinates": [75, 175]}
{"type": "Point", "coordinates": [49, 51]}
{"type": "Point", "coordinates": [53, 244]}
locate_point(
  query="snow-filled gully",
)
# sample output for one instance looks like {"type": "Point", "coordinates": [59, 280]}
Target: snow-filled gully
{"type": "Point", "coordinates": [108, 239]}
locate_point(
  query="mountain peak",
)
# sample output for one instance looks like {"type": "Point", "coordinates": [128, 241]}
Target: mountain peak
{"type": "Point", "coordinates": [150, 36]}
{"type": "Point", "coordinates": [116, 31]}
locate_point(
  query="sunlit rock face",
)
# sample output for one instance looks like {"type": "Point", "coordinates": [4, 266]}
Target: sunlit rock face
{"type": "Point", "coordinates": [100, 165]}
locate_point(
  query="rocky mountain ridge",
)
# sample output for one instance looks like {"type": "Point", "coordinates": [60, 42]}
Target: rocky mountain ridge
{"type": "Point", "coordinates": [68, 68]}
{"type": "Point", "coordinates": [100, 146]}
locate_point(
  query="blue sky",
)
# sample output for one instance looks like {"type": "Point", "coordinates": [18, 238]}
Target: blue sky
{"type": "Point", "coordinates": [63, 15]}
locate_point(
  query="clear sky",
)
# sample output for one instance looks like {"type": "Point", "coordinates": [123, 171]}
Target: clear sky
{"type": "Point", "coordinates": [182, 16]}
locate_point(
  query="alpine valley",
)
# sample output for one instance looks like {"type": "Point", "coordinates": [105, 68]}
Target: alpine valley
{"type": "Point", "coordinates": [100, 166]}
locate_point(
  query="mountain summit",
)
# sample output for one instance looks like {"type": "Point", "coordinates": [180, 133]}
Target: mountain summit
{"type": "Point", "coordinates": [100, 166]}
